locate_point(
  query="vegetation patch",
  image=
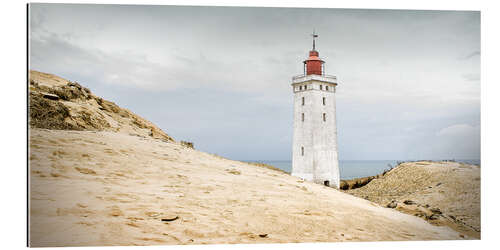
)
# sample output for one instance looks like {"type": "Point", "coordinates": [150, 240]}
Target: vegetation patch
{"type": "Point", "coordinates": [48, 114]}
{"type": "Point", "coordinates": [187, 144]}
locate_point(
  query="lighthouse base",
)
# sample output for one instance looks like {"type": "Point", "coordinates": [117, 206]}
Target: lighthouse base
{"type": "Point", "coordinates": [331, 182]}
{"type": "Point", "coordinates": [306, 177]}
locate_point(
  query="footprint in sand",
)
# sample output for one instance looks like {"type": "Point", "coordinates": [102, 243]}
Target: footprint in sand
{"type": "Point", "coordinates": [85, 170]}
{"type": "Point", "coordinates": [59, 153]}
{"type": "Point", "coordinates": [115, 211]}
{"type": "Point", "coordinates": [110, 151]}
{"type": "Point", "coordinates": [152, 239]}
{"type": "Point", "coordinates": [152, 214]}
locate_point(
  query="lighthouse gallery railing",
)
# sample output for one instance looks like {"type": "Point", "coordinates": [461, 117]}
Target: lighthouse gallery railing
{"type": "Point", "coordinates": [304, 75]}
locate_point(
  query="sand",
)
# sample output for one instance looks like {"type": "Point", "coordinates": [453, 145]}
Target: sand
{"type": "Point", "coordinates": [90, 188]}
{"type": "Point", "coordinates": [450, 189]}
{"type": "Point", "coordinates": [47, 79]}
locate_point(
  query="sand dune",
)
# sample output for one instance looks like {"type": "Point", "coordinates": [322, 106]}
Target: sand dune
{"type": "Point", "coordinates": [92, 188]}
{"type": "Point", "coordinates": [444, 193]}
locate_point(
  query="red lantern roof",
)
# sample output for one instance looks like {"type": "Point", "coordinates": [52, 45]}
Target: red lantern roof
{"type": "Point", "coordinates": [314, 64]}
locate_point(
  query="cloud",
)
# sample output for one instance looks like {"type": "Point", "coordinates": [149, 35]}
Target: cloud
{"type": "Point", "coordinates": [472, 77]}
{"type": "Point", "coordinates": [472, 55]}
{"type": "Point", "coordinates": [458, 141]}
{"type": "Point", "coordinates": [225, 73]}
{"type": "Point", "coordinates": [463, 130]}
{"type": "Point", "coordinates": [53, 53]}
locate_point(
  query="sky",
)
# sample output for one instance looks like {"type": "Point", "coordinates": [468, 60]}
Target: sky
{"type": "Point", "coordinates": [409, 80]}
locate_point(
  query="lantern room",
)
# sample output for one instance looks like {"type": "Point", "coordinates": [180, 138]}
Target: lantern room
{"type": "Point", "coordinates": [313, 65]}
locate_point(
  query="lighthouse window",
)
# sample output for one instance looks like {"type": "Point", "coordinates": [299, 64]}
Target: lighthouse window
{"type": "Point", "coordinates": [300, 87]}
{"type": "Point", "coordinates": [324, 101]}
{"type": "Point", "coordinates": [320, 87]}
{"type": "Point", "coordinates": [326, 88]}
{"type": "Point", "coordinates": [302, 116]}
{"type": "Point", "coordinates": [302, 151]}
{"type": "Point", "coordinates": [305, 87]}
{"type": "Point", "coordinates": [303, 101]}
{"type": "Point", "coordinates": [324, 117]}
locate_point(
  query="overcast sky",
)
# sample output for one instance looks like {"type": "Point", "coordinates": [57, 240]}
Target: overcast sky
{"type": "Point", "coordinates": [409, 81]}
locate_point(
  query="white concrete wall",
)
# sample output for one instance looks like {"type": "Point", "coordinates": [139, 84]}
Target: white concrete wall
{"type": "Point", "coordinates": [318, 137]}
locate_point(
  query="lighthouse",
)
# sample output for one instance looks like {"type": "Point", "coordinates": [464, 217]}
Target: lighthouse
{"type": "Point", "coordinates": [315, 154]}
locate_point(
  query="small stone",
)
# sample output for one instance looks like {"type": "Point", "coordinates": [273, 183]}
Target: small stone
{"type": "Point", "coordinates": [433, 217]}
{"type": "Point", "coordinates": [263, 235]}
{"type": "Point", "coordinates": [392, 204]}
{"type": "Point", "coordinates": [436, 210]}
{"type": "Point", "coordinates": [233, 171]}
{"type": "Point", "coordinates": [409, 202]}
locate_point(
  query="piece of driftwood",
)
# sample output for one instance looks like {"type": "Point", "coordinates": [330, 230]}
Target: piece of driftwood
{"type": "Point", "coordinates": [50, 96]}
{"type": "Point", "coordinates": [170, 219]}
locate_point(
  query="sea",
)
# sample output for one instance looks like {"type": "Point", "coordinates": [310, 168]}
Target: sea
{"type": "Point", "coordinates": [350, 169]}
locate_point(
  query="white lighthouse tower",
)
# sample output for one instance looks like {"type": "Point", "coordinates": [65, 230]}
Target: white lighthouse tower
{"type": "Point", "coordinates": [315, 154]}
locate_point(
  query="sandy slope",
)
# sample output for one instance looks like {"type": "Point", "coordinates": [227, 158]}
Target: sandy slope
{"type": "Point", "coordinates": [56, 103]}
{"type": "Point", "coordinates": [47, 79]}
{"type": "Point", "coordinates": [106, 188]}
{"type": "Point", "coordinates": [450, 188]}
